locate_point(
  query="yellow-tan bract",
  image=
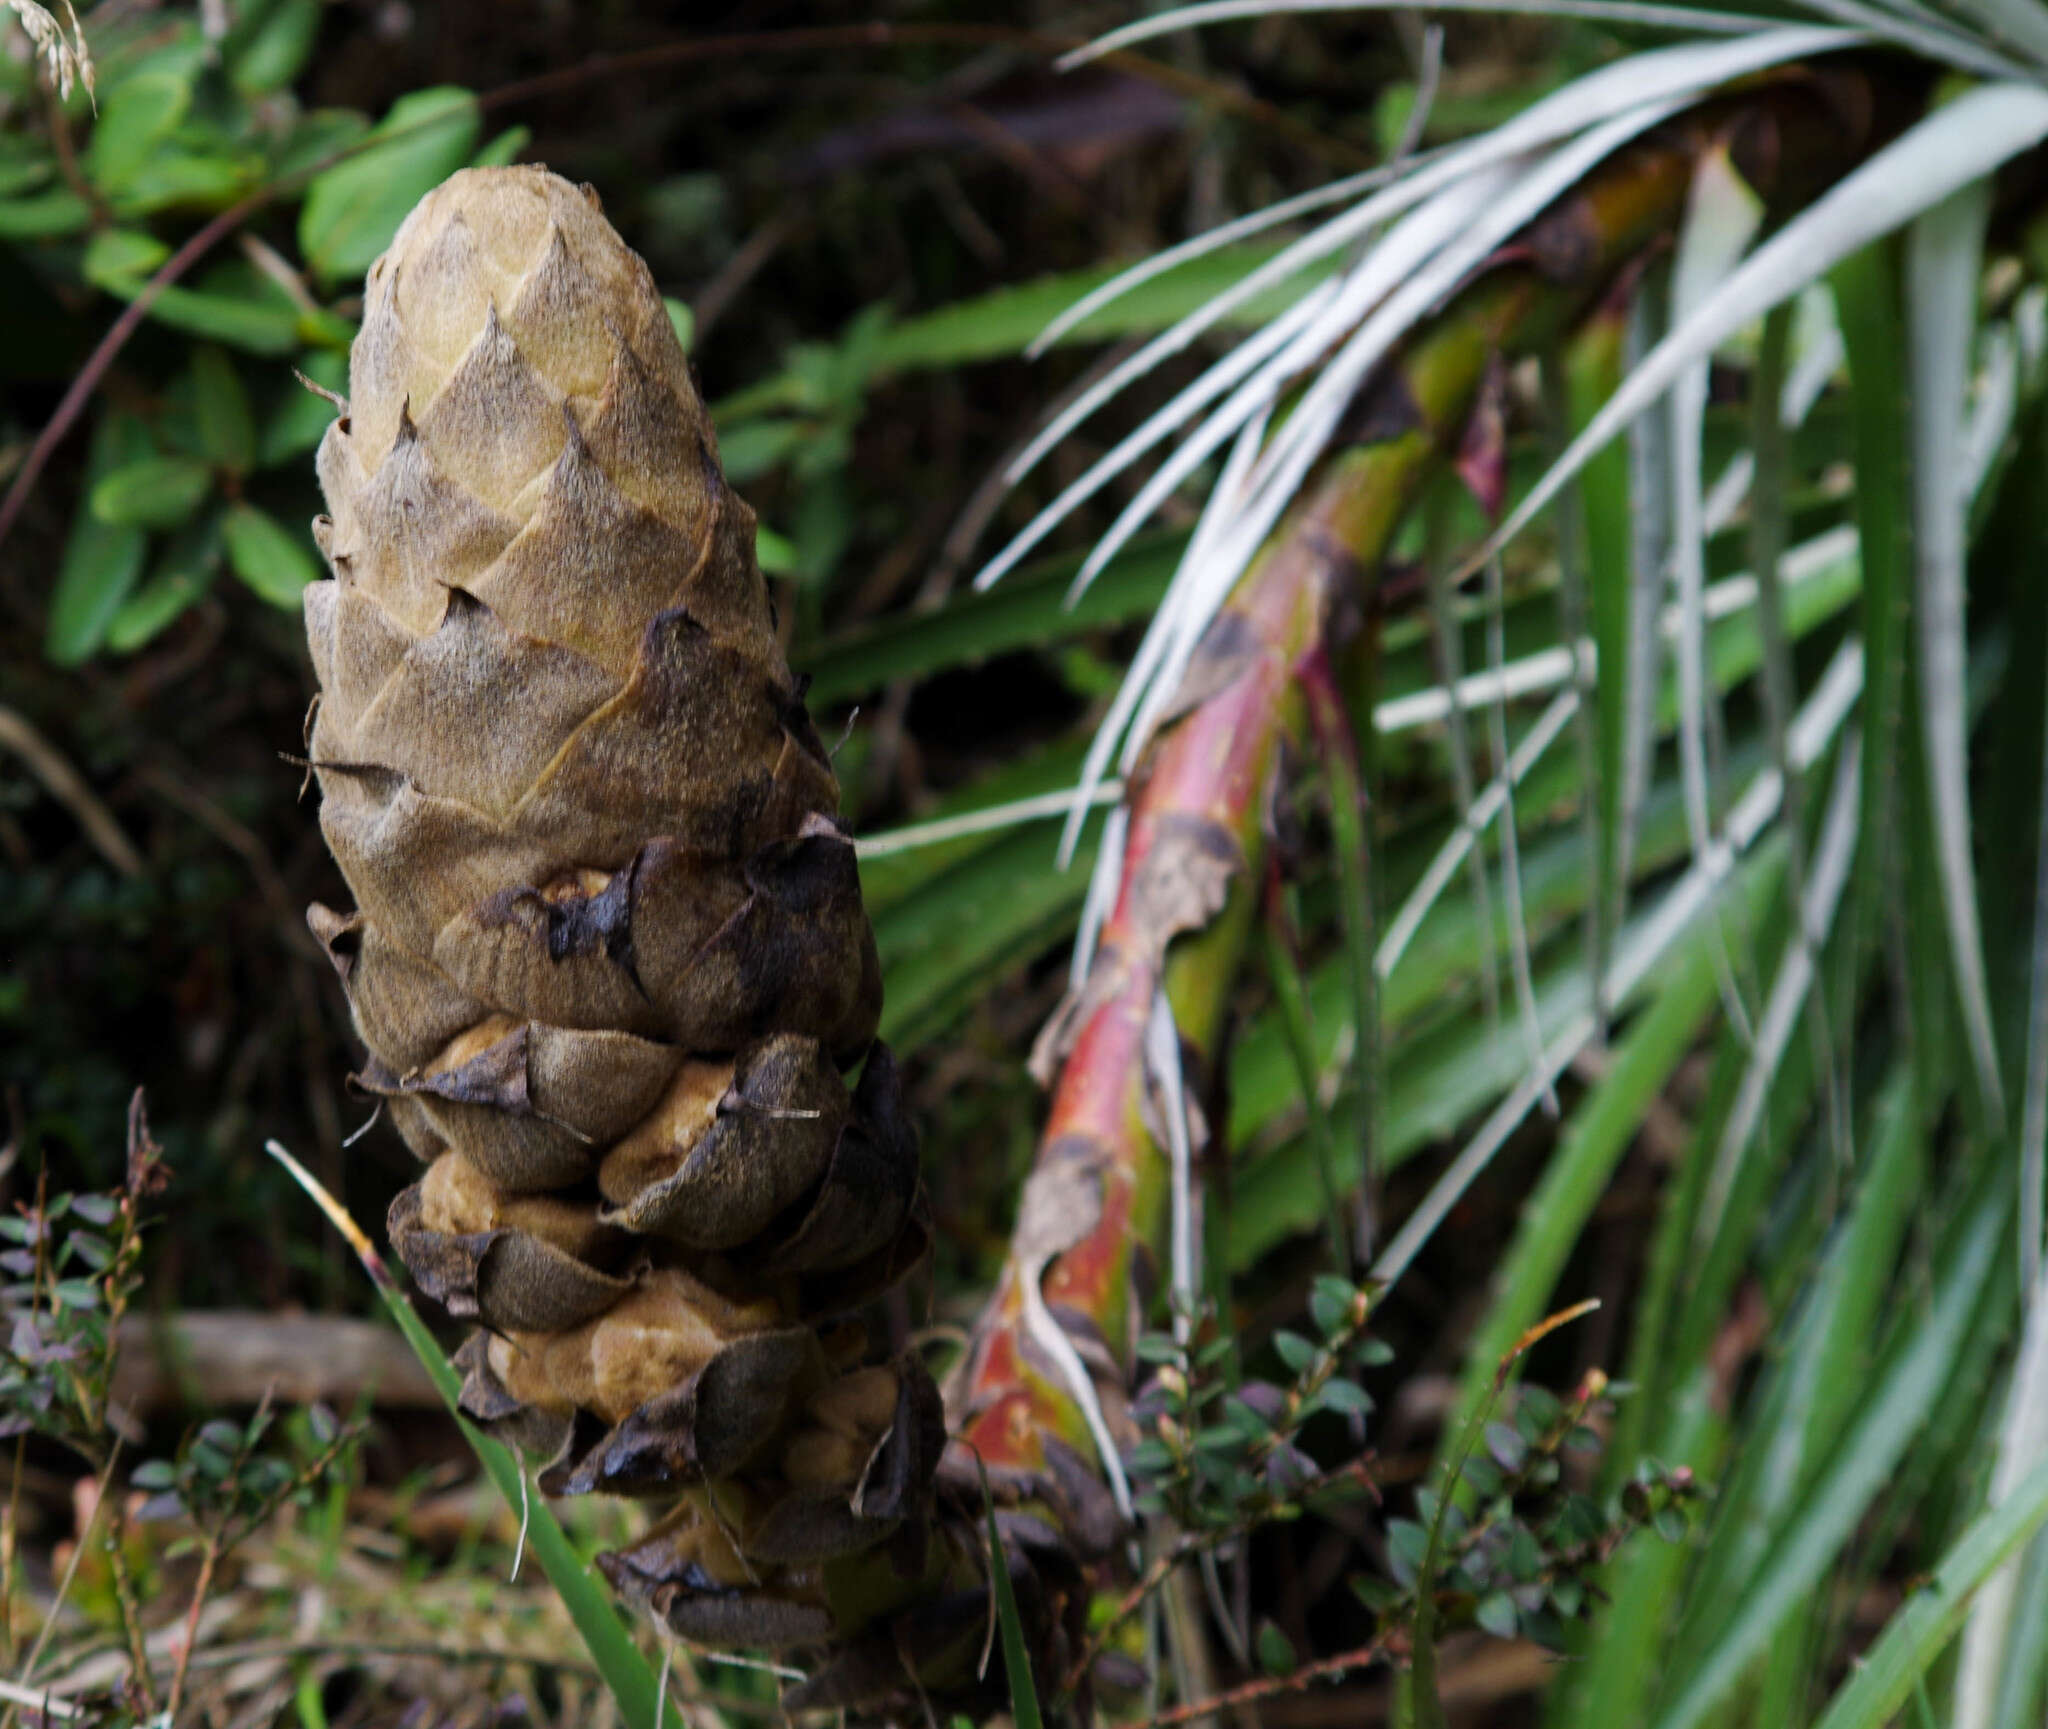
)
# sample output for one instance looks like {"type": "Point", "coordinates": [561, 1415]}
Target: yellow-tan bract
{"type": "Point", "coordinates": [608, 956]}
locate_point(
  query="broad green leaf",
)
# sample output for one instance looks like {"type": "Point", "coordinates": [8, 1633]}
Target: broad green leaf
{"type": "Point", "coordinates": [24, 165]}
{"type": "Point", "coordinates": [269, 558]}
{"type": "Point", "coordinates": [182, 575]}
{"type": "Point", "coordinates": [321, 329]}
{"type": "Point", "coordinates": [680, 319]}
{"type": "Point", "coordinates": [1006, 321]}
{"type": "Point", "coordinates": [226, 425]}
{"type": "Point", "coordinates": [753, 447]}
{"type": "Point", "coordinates": [354, 208]}
{"type": "Point", "coordinates": [1028, 611]}
{"type": "Point", "coordinates": [201, 179]}
{"type": "Point", "coordinates": [120, 259]}
{"type": "Point", "coordinates": [101, 561]}
{"type": "Point", "coordinates": [137, 115]}
{"type": "Point", "coordinates": [249, 324]}
{"type": "Point", "coordinates": [504, 148]}
{"type": "Point", "coordinates": [172, 44]}
{"type": "Point", "coordinates": [152, 609]}
{"type": "Point", "coordinates": [774, 552]}
{"type": "Point", "coordinates": [268, 51]}
{"type": "Point", "coordinates": [44, 216]}
{"type": "Point", "coordinates": [157, 492]}
{"type": "Point", "coordinates": [236, 304]}
{"type": "Point", "coordinates": [319, 137]}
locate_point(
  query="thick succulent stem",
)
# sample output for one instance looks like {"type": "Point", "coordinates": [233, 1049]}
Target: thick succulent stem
{"type": "Point", "coordinates": [1091, 1234]}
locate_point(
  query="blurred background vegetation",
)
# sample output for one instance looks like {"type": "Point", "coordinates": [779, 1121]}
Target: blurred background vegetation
{"type": "Point", "coordinates": [822, 195]}
{"type": "Point", "coordinates": [862, 218]}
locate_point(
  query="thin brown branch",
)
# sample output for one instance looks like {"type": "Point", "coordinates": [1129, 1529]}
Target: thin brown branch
{"type": "Point", "coordinates": [72, 405]}
{"type": "Point", "coordinates": [1272, 1686]}
{"type": "Point", "coordinates": [70, 789]}
{"type": "Point", "coordinates": [1212, 92]}
{"type": "Point", "coordinates": [10, 1537]}
{"type": "Point", "coordinates": [209, 1560]}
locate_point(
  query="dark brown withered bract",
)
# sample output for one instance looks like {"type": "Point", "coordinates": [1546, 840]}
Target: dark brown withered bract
{"type": "Point", "coordinates": [608, 955]}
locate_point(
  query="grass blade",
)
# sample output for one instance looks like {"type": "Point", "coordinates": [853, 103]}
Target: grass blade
{"type": "Point", "coordinates": [1592, 367]}
{"type": "Point", "coordinates": [1643, 949]}
{"type": "Point", "coordinates": [627, 1677]}
{"type": "Point", "coordinates": [1721, 218]}
{"type": "Point", "coordinates": [1356, 847]}
{"type": "Point", "coordinates": [1446, 641]}
{"type": "Point", "coordinates": [1029, 611]}
{"type": "Point", "coordinates": [1866, 297]}
{"type": "Point", "coordinates": [1692, 18]}
{"type": "Point", "coordinates": [1574, 619]}
{"type": "Point", "coordinates": [1425, 259]}
{"type": "Point", "coordinates": [1463, 840]}
{"type": "Point", "coordinates": [1024, 1711]}
{"type": "Point", "coordinates": [1603, 1127]}
{"type": "Point", "coordinates": [1230, 371]}
{"type": "Point", "coordinates": [1921, 1630]}
{"type": "Point", "coordinates": [1645, 79]}
{"type": "Point", "coordinates": [1987, 1668]}
{"type": "Point", "coordinates": [1967, 140]}
{"type": "Point", "coordinates": [1649, 547]}
{"type": "Point", "coordinates": [1944, 253]}
{"type": "Point", "coordinates": [1290, 998]}
{"type": "Point", "coordinates": [1510, 849]}
{"type": "Point", "coordinates": [1840, 832]}
{"type": "Point", "coordinates": [1778, 403]}
{"type": "Point", "coordinates": [1810, 1394]}
{"type": "Point", "coordinates": [2034, 1106]}
{"type": "Point", "coordinates": [1224, 234]}
{"type": "Point", "coordinates": [2025, 1688]}
{"type": "Point", "coordinates": [1905, 1392]}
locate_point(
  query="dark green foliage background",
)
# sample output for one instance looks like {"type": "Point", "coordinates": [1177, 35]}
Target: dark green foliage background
{"type": "Point", "coordinates": [848, 215]}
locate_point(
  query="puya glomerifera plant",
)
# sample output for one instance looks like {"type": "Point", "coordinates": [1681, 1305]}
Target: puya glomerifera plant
{"type": "Point", "coordinates": [608, 955]}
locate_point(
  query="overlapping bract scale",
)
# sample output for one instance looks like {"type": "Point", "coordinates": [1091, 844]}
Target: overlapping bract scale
{"type": "Point", "coordinates": [608, 954]}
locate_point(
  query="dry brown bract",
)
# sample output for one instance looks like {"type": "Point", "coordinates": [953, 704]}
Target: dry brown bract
{"type": "Point", "coordinates": [608, 954]}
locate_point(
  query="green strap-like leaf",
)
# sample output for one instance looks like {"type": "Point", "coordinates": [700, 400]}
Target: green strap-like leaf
{"type": "Point", "coordinates": [1918, 1634]}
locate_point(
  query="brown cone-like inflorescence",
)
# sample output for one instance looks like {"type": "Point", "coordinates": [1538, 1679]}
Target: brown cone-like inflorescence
{"type": "Point", "coordinates": [608, 955]}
